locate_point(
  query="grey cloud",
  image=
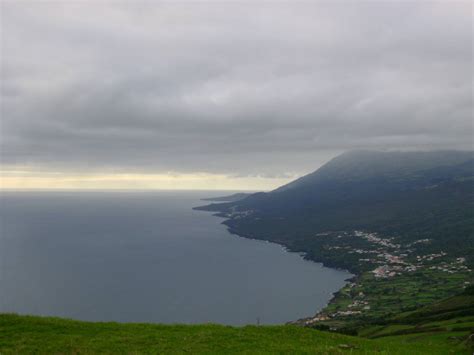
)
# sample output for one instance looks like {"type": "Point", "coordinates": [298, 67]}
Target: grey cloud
{"type": "Point", "coordinates": [247, 89]}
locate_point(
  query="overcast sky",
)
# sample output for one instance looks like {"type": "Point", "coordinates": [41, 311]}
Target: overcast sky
{"type": "Point", "coordinates": [238, 91]}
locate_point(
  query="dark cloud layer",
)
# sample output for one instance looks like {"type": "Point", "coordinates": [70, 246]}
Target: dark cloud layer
{"type": "Point", "coordinates": [230, 88]}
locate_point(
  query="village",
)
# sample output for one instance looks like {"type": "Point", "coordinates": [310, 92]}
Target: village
{"type": "Point", "coordinates": [395, 260]}
{"type": "Point", "coordinates": [386, 260]}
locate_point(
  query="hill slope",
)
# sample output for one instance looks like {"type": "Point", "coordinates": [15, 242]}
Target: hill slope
{"type": "Point", "coordinates": [450, 321]}
{"type": "Point", "coordinates": [24, 334]}
{"type": "Point", "coordinates": [409, 196]}
{"type": "Point", "coordinates": [403, 223]}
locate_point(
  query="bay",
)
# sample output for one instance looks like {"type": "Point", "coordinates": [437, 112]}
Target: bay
{"type": "Point", "coordinates": [147, 257]}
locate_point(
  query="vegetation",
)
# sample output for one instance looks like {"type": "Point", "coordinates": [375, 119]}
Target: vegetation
{"type": "Point", "coordinates": [450, 321]}
{"type": "Point", "coordinates": [370, 299]}
{"type": "Point", "coordinates": [444, 327]}
{"type": "Point", "coordinates": [405, 196]}
{"type": "Point", "coordinates": [26, 334]}
{"type": "Point", "coordinates": [403, 223]}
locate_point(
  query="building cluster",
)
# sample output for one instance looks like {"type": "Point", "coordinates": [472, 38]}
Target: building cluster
{"type": "Point", "coordinates": [238, 214]}
{"type": "Point", "coordinates": [396, 262]}
{"type": "Point", "coordinates": [359, 304]}
{"type": "Point", "coordinates": [453, 267]}
{"type": "Point", "coordinates": [419, 241]}
{"type": "Point", "coordinates": [430, 257]}
{"type": "Point", "coordinates": [383, 272]}
{"type": "Point", "coordinates": [389, 259]}
{"type": "Point", "coordinates": [346, 313]}
{"type": "Point", "coordinates": [373, 238]}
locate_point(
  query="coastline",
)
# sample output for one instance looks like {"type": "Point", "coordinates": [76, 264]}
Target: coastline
{"type": "Point", "coordinates": [389, 275]}
{"type": "Point", "coordinates": [303, 255]}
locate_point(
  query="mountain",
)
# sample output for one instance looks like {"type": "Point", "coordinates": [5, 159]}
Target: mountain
{"type": "Point", "coordinates": [401, 222]}
{"type": "Point", "coordinates": [407, 195]}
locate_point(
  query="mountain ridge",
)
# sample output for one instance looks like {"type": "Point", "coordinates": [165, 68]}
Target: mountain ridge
{"type": "Point", "coordinates": [403, 217]}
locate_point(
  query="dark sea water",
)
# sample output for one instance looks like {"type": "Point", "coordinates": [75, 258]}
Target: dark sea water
{"type": "Point", "coordinates": [146, 257]}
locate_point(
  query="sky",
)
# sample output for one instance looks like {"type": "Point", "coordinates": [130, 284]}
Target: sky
{"type": "Point", "coordinates": [224, 95]}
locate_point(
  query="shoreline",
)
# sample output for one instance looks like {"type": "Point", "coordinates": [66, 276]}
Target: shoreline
{"type": "Point", "coordinates": [303, 255]}
{"type": "Point", "coordinates": [301, 321]}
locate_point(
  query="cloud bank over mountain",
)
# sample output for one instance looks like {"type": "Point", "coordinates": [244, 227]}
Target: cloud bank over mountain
{"type": "Point", "coordinates": [248, 89]}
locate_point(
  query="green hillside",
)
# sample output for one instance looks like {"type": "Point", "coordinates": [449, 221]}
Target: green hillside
{"type": "Point", "coordinates": [401, 222]}
{"type": "Point", "coordinates": [450, 321]}
{"type": "Point", "coordinates": [407, 196]}
{"type": "Point", "coordinates": [26, 334]}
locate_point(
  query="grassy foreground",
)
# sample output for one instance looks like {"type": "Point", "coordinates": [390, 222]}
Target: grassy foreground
{"type": "Point", "coordinates": [28, 334]}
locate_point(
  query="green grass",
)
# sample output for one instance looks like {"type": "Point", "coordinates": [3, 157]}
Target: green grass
{"type": "Point", "coordinates": [394, 296]}
{"type": "Point", "coordinates": [28, 334]}
{"type": "Point", "coordinates": [442, 327]}
{"type": "Point", "coordinates": [449, 321]}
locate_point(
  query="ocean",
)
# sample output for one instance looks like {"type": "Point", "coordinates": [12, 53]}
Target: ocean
{"type": "Point", "coordinates": [147, 257]}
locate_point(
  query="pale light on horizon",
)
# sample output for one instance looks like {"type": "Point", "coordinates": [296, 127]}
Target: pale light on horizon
{"type": "Point", "coordinates": [93, 88]}
{"type": "Point", "coordinates": [26, 180]}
